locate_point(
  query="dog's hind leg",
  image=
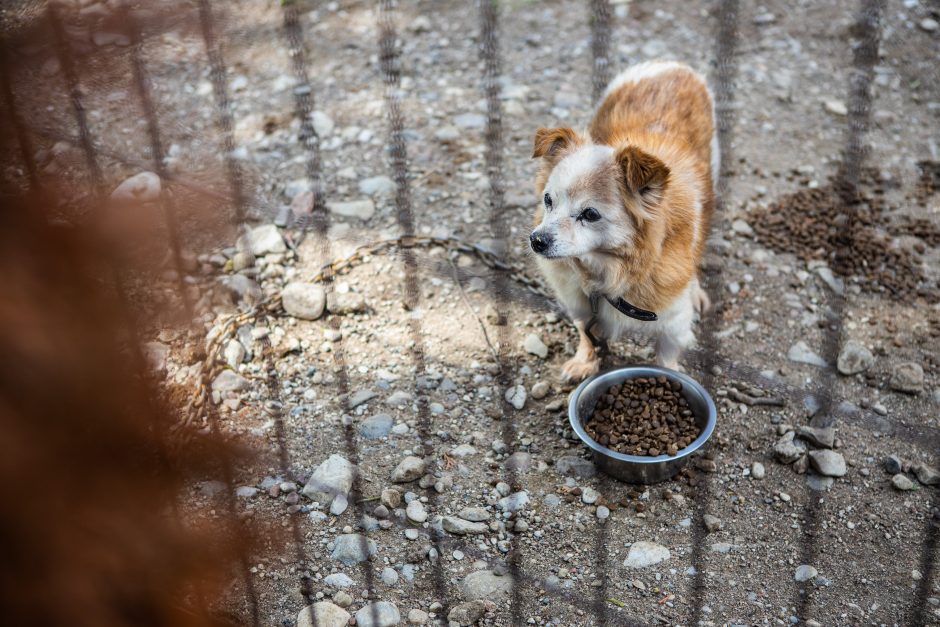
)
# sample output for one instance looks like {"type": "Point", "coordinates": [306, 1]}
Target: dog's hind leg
{"type": "Point", "coordinates": [585, 362]}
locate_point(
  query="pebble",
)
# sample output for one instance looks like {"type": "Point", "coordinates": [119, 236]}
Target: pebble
{"type": "Point", "coordinates": [409, 469]}
{"type": "Point", "coordinates": [516, 396]}
{"type": "Point", "coordinates": [758, 471]}
{"type": "Point", "coordinates": [306, 301]}
{"type": "Point", "coordinates": [415, 512]}
{"type": "Point", "coordinates": [399, 398]}
{"type": "Point", "coordinates": [824, 437]}
{"type": "Point", "coordinates": [836, 107]}
{"type": "Point", "coordinates": [928, 24]}
{"type": "Point", "coordinates": [520, 461]}
{"type": "Point", "coordinates": [411, 534]}
{"type": "Point", "coordinates": [893, 464]}
{"type": "Point", "coordinates": [474, 514]}
{"type": "Point", "coordinates": [801, 353]}
{"type": "Point", "coordinates": [339, 505]}
{"type": "Point", "coordinates": [322, 123]}
{"type": "Point", "coordinates": [540, 390]}
{"type": "Point", "coordinates": [344, 303]}
{"type": "Point", "coordinates": [828, 463]}
{"type": "Point", "coordinates": [361, 209]}
{"type": "Point", "coordinates": [926, 474]}
{"type": "Point", "coordinates": [907, 377]}
{"type": "Point", "coordinates": [804, 572]}
{"type": "Point", "coordinates": [589, 496]}
{"type": "Point", "coordinates": [378, 614]}
{"type": "Point", "coordinates": [901, 482]}
{"type": "Point", "coordinates": [417, 617]}
{"type": "Point", "coordinates": [377, 185]}
{"type": "Point", "coordinates": [787, 450]}
{"type": "Point", "coordinates": [470, 120]}
{"type": "Point", "coordinates": [389, 576]}
{"type": "Point", "coordinates": [391, 498]}
{"type": "Point", "coordinates": [461, 527]}
{"type": "Point", "coordinates": [229, 381]}
{"type": "Point", "coordinates": [339, 580]}
{"type": "Point", "coordinates": [343, 599]}
{"type": "Point", "coordinates": [533, 344]}
{"type": "Point", "coordinates": [332, 477]}
{"type": "Point", "coordinates": [603, 512]}
{"type": "Point", "coordinates": [142, 187]}
{"type": "Point", "coordinates": [463, 450]}
{"type": "Point", "coordinates": [323, 614]}
{"type": "Point", "coordinates": [575, 467]}
{"type": "Point", "coordinates": [246, 492]}
{"type": "Point", "coordinates": [854, 358]}
{"type": "Point", "coordinates": [234, 353]}
{"type": "Point", "coordinates": [266, 240]}
{"type": "Point", "coordinates": [352, 548]}
{"type": "Point", "coordinates": [712, 523]}
{"type": "Point", "coordinates": [514, 502]}
{"type": "Point", "coordinates": [486, 584]}
{"type": "Point", "coordinates": [643, 554]}
{"type": "Point", "coordinates": [466, 614]}
{"type": "Point", "coordinates": [375, 427]}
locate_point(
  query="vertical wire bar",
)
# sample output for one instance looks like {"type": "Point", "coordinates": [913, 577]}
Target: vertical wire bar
{"type": "Point", "coordinates": [492, 69]}
{"type": "Point", "coordinates": [157, 152]}
{"type": "Point", "coordinates": [861, 74]}
{"type": "Point", "coordinates": [303, 104]}
{"type": "Point", "coordinates": [723, 79]}
{"type": "Point", "coordinates": [390, 61]}
{"type": "Point", "coordinates": [19, 126]}
{"type": "Point", "coordinates": [601, 23]}
{"type": "Point", "coordinates": [275, 406]}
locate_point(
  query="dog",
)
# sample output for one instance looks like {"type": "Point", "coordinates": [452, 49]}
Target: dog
{"type": "Point", "coordinates": [624, 212]}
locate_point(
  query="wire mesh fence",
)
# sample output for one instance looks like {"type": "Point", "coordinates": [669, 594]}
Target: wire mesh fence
{"type": "Point", "coordinates": [110, 66]}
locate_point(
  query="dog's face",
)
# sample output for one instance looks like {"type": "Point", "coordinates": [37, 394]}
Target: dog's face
{"type": "Point", "coordinates": [595, 198]}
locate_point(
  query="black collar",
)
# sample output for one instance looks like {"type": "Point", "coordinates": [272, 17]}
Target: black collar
{"type": "Point", "coordinates": [631, 311]}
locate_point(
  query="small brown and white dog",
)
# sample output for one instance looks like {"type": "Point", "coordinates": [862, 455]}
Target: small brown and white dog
{"type": "Point", "coordinates": [625, 211]}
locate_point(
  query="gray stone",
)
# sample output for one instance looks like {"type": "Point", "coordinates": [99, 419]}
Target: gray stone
{"type": "Point", "coordinates": [375, 427]}
{"type": "Point", "coordinates": [323, 614]}
{"type": "Point", "coordinates": [389, 576]}
{"type": "Point", "coordinates": [818, 483]}
{"type": "Point", "coordinates": [156, 354]}
{"type": "Point", "coordinates": [804, 572]}
{"type": "Point", "coordinates": [836, 107]}
{"type": "Point", "coordinates": [514, 502]}
{"type": "Point", "coordinates": [306, 301]}
{"type": "Point", "coordinates": [415, 512]}
{"type": "Point", "coordinates": [474, 514]}
{"type": "Point", "coordinates": [515, 396]}
{"type": "Point", "coordinates": [533, 344]}
{"type": "Point", "coordinates": [643, 554]}
{"type": "Point", "coordinates": [603, 512]}
{"type": "Point", "coordinates": [589, 496]}
{"type": "Point", "coordinates": [398, 399]}
{"type": "Point", "coordinates": [901, 482]}
{"type": "Point", "coordinates": [377, 185]}
{"type": "Point", "coordinates": [929, 25]}
{"type": "Point", "coordinates": [142, 187]}
{"type": "Point", "coordinates": [460, 527]}
{"type": "Point", "coordinates": [339, 580]}
{"type": "Point", "coordinates": [908, 378]}
{"type": "Point", "coordinates": [242, 288]}
{"type": "Point", "coordinates": [246, 492]}
{"type": "Point", "coordinates": [801, 353]}
{"type": "Point", "coordinates": [926, 474]}
{"type": "Point", "coordinates": [265, 240]}
{"type": "Point", "coordinates": [824, 437]}
{"type": "Point", "coordinates": [352, 548]}
{"type": "Point", "coordinates": [540, 390]}
{"type": "Point", "coordinates": [333, 476]}
{"type": "Point", "coordinates": [712, 523]}
{"type": "Point", "coordinates": [345, 303]}
{"type": "Point", "coordinates": [834, 283]}
{"type": "Point", "coordinates": [322, 123]}
{"type": "Point", "coordinates": [409, 469]}
{"type": "Point", "coordinates": [361, 209]}
{"type": "Point", "coordinates": [467, 614]}
{"type": "Point", "coordinates": [339, 505]}
{"type": "Point", "coordinates": [470, 120]}
{"type": "Point", "coordinates": [234, 353]}
{"type": "Point", "coordinates": [229, 381]}
{"type": "Point", "coordinates": [787, 450]}
{"type": "Point", "coordinates": [828, 463]}
{"type": "Point", "coordinates": [391, 498]}
{"type": "Point", "coordinates": [520, 461]}
{"type": "Point", "coordinates": [758, 471]}
{"type": "Point", "coordinates": [575, 467]}
{"type": "Point", "coordinates": [854, 358]}
{"type": "Point", "coordinates": [378, 614]}
{"type": "Point", "coordinates": [485, 584]}
{"type": "Point", "coordinates": [463, 450]}
{"type": "Point", "coordinates": [417, 617]}
{"type": "Point", "coordinates": [893, 464]}
{"type": "Point", "coordinates": [359, 397]}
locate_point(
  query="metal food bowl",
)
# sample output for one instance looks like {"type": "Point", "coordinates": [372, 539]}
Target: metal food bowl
{"type": "Point", "coordinates": [640, 468]}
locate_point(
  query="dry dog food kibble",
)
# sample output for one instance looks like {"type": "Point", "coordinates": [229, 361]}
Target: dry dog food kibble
{"type": "Point", "coordinates": [645, 416]}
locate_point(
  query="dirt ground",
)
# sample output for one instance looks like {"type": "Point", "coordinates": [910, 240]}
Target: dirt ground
{"type": "Point", "coordinates": [865, 539]}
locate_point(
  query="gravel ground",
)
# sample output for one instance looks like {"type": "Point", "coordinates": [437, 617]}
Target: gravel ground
{"type": "Point", "coordinates": [781, 542]}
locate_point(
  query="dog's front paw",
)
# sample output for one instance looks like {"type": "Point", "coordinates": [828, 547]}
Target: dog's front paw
{"type": "Point", "coordinates": [701, 301]}
{"type": "Point", "coordinates": [578, 369]}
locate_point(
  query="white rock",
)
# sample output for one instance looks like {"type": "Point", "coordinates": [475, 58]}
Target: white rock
{"type": "Point", "coordinates": [322, 123]}
{"type": "Point", "coordinates": [409, 469]}
{"type": "Point", "coordinates": [323, 614]}
{"type": "Point", "coordinates": [802, 353]}
{"type": "Point", "coordinates": [334, 476]}
{"type": "Point", "coordinates": [804, 572]}
{"type": "Point", "coordinates": [142, 187]}
{"type": "Point", "coordinates": [378, 614]}
{"type": "Point", "coordinates": [643, 554]}
{"type": "Point", "coordinates": [514, 502]}
{"type": "Point", "coordinates": [463, 450]}
{"type": "Point", "coordinates": [266, 239]}
{"type": "Point", "coordinates": [306, 301]}
{"type": "Point", "coordinates": [836, 107]}
{"type": "Point", "coordinates": [415, 512]}
{"type": "Point", "coordinates": [854, 358]}
{"type": "Point", "coordinates": [234, 353]}
{"type": "Point", "coordinates": [362, 209]}
{"type": "Point", "coordinates": [339, 580]}
{"type": "Point", "coordinates": [460, 527]}
{"type": "Point", "coordinates": [377, 185]}
{"type": "Point", "coordinates": [758, 471]}
{"type": "Point", "coordinates": [929, 24]}
{"type": "Point", "coordinates": [540, 390]}
{"type": "Point", "coordinates": [534, 344]}
{"type": "Point", "coordinates": [228, 381]}
{"type": "Point", "coordinates": [515, 396]}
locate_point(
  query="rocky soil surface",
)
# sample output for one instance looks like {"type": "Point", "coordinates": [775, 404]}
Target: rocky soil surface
{"type": "Point", "coordinates": [421, 490]}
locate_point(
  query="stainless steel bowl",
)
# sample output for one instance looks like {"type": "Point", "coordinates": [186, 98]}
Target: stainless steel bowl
{"type": "Point", "coordinates": [636, 468]}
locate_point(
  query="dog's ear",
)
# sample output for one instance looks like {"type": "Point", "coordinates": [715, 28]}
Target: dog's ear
{"type": "Point", "coordinates": [551, 142]}
{"type": "Point", "coordinates": [643, 173]}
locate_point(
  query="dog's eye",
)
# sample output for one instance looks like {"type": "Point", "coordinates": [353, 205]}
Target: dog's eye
{"type": "Point", "coordinates": [548, 201]}
{"type": "Point", "coordinates": [590, 215]}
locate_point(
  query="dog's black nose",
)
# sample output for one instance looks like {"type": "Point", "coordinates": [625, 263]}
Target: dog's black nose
{"type": "Point", "coordinates": [540, 242]}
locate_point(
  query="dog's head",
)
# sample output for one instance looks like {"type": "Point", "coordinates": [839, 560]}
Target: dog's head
{"type": "Point", "coordinates": [595, 198]}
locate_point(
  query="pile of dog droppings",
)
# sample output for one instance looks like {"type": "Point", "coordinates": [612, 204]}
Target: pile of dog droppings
{"type": "Point", "coordinates": [645, 416]}
{"type": "Point", "coordinates": [853, 233]}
